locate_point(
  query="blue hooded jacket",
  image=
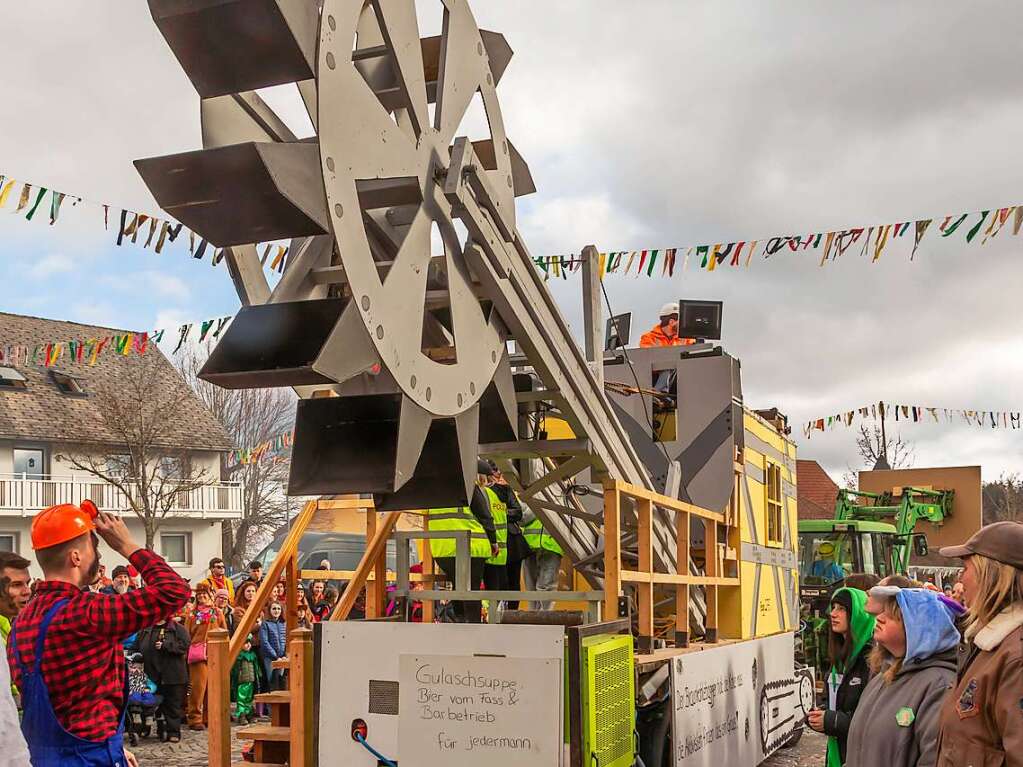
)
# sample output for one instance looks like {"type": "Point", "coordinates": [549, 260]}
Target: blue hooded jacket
{"type": "Point", "coordinates": [930, 628]}
{"type": "Point", "coordinates": [897, 721]}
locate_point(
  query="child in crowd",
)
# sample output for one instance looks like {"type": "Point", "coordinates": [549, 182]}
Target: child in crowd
{"type": "Point", "coordinates": [273, 639]}
{"type": "Point", "coordinates": [245, 676]}
{"type": "Point", "coordinates": [914, 663]}
{"type": "Point", "coordinates": [852, 628]}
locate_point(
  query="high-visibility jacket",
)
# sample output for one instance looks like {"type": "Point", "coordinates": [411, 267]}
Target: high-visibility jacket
{"type": "Point", "coordinates": [539, 539]}
{"type": "Point", "coordinates": [459, 518]}
{"type": "Point", "coordinates": [657, 337]}
{"type": "Point", "coordinates": [500, 511]}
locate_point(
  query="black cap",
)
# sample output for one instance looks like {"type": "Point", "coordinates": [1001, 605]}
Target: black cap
{"type": "Point", "coordinates": [120, 570]}
{"type": "Point", "coordinates": [486, 468]}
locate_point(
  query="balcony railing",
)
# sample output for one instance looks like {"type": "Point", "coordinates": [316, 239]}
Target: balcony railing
{"type": "Point", "coordinates": [25, 495]}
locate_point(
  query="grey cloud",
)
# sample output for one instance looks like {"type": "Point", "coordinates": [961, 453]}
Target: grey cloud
{"type": "Point", "coordinates": [665, 123]}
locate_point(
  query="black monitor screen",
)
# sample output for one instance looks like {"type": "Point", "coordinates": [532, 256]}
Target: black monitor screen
{"type": "Point", "coordinates": [700, 319]}
{"type": "Point", "coordinates": [618, 332]}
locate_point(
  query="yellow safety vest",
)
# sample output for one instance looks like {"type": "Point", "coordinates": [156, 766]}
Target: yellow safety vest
{"type": "Point", "coordinates": [459, 518]}
{"type": "Point", "coordinates": [539, 539]}
{"type": "Point", "coordinates": [499, 510]}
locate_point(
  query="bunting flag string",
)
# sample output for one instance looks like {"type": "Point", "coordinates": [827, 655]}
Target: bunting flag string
{"type": "Point", "coordinates": [832, 245]}
{"type": "Point", "coordinates": [274, 449]}
{"type": "Point", "coordinates": [995, 419]}
{"type": "Point", "coordinates": [88, 351]}
{"type": "Point", "coordinates": [140, 229]}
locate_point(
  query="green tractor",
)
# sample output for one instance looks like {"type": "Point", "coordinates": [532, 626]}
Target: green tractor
{"type": "Point", "coordinates": [858, 540]}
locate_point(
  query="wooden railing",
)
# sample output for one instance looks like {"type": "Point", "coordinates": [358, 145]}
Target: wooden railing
{"type": "Point", "coordinates": [616, 495]}
{"type": "Point", "coordinates": [223, 652]}
{"type": "Point", "coordinates": [300, 685]}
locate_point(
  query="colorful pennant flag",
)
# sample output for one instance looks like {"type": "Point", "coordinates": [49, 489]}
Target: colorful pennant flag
{"type": "Point", "coordinates": [1004, 419]}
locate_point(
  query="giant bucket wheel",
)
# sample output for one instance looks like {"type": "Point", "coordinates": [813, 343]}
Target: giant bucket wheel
{"type": "Point", "coordinates": [364, 289]}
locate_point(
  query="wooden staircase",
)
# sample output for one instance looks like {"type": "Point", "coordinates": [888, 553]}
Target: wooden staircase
{"type": "Point", "coordinates": [272, 742]}
{"type": "Point", "coordinates": [288, 737]}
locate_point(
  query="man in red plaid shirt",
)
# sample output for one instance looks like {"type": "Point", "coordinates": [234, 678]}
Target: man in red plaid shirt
{"type": "Point", "coordinates": [65, 651]}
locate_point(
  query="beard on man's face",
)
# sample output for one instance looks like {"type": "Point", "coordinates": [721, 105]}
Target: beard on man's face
{"type": "Point", "coordinates": [92, 574]}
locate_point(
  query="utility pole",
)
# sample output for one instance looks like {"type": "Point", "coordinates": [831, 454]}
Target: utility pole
{"type": "Point", "coordinates": [882, 460]}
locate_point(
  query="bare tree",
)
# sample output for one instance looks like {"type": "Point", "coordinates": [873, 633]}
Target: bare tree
{"type": "Point", "coordinates": [876, 449]}
{"type": "Point", "coordinates": [139, 410]}
{"type": "Point", "coordinates": [1003, 500]}
{"type": "Point", "coordinates": [250, 417]}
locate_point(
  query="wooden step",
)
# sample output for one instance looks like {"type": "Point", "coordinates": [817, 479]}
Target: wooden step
{"type": "Point", "coordinates": [281, 663]}
{"type": "Point", "coordinates": [278, 696]}
{"type": "Point", "coordinates": [264, 732]}
{"type": "Point", "coordinates": [257, 764]}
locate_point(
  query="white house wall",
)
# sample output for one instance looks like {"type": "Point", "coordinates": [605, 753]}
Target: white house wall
{"type": "Point", "coordinates": [202, 460]}
{"type": "Point", "coordinates": [205, 537]}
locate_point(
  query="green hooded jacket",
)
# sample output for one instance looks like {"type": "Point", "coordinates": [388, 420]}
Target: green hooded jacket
{"type": "Point", "coordinates": [852, 679]}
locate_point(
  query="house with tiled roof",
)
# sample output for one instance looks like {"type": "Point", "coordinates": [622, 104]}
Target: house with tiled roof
{"type": "Point", "coordinates": [48, 414]}
{"type": "Point", "coordinates": [816, 492]}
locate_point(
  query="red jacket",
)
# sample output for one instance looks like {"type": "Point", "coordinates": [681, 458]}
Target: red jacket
{"type": "Point", "coordinates": [83, 659]}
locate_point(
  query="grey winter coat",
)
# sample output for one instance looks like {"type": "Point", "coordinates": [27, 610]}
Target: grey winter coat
{"type": "Point", "coordinates": [896, 725]}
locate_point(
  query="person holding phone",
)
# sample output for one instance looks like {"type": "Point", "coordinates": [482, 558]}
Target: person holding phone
{"type": "Point", "coordinates": [849, 646]}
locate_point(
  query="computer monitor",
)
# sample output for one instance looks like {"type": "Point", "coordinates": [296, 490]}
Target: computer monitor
{"type": "Point", "coordinates": [700, 319]}
{"type": "Point", "coordinates": [618, 332]}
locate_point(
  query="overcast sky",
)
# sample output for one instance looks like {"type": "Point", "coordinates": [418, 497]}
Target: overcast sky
{"type": "Point", "coordinates": [646, 125]}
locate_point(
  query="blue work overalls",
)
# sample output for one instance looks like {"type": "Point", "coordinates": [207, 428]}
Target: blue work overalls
{"type": "Point", "coordinates": [49, 744]}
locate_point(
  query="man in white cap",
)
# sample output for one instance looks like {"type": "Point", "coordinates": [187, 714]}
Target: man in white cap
{"type": "Point", "coordinates": [665, 332]}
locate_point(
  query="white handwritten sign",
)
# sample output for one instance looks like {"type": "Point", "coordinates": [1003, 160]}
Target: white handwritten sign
{"type": "Point", "coordinates": [737, 704]}
{"type": "Point", "coordinates": [470, 710]}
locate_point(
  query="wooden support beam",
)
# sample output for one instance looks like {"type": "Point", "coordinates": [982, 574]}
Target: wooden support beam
{"type": "Point", "coordinates": [711, 568]}
{"type": "Point", "coordinates": [568, 511]}
{"type": "Point", "coordinates": [218, 698]}
{"type": "Point", "coordinates": [593, 313]}
{"type": "Point", "coordinates": [670, 579]}
{"type": "Point", "coordinates": [294, 583]}
{"type": "Point", "coordinates": [347, 575]}
{"type": "Point", "coordinates": [538, 448]}
{"type": "Point", "coordinates": [346, 503]}
{"type": "Point", "coordinates": [538, 395]}
{"type": "Point", "coordinates": [612, 554]}
{"type": "Point", "coordinates": [646, 566]}
{"type": "Point", "coordinates": [376, 585]}
{"type": "Point", "coordinates": [285, 556]}
{"type": "Point", "coordinates": [682, 589]}
{"type": "Point", "coordinates": [300, 674]}
{"type": "Point", "coordinates": [370, 556]}
{"type": "Point", "coordinates": [427, 560]}
{"type": "Point", "coordinates": [567, 470]}
{"type": "Point", "coordinates": [664, 502]}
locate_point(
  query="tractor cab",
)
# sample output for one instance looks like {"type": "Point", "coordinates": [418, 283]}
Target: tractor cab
{"type": "Point", "coordinates": [829, 550]}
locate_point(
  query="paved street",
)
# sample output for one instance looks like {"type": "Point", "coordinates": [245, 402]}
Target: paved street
{"type": "Point", "coordinates": [809, 752]}
{"type": "Point", "coordinates": [191, 752]}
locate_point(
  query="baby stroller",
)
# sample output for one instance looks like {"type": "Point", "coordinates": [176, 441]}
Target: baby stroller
{"type": "Point", "coordinates": [143, 702]}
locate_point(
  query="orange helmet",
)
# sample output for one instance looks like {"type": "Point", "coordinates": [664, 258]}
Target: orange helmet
{"type": "Point", "coordinates": [62, 523]}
